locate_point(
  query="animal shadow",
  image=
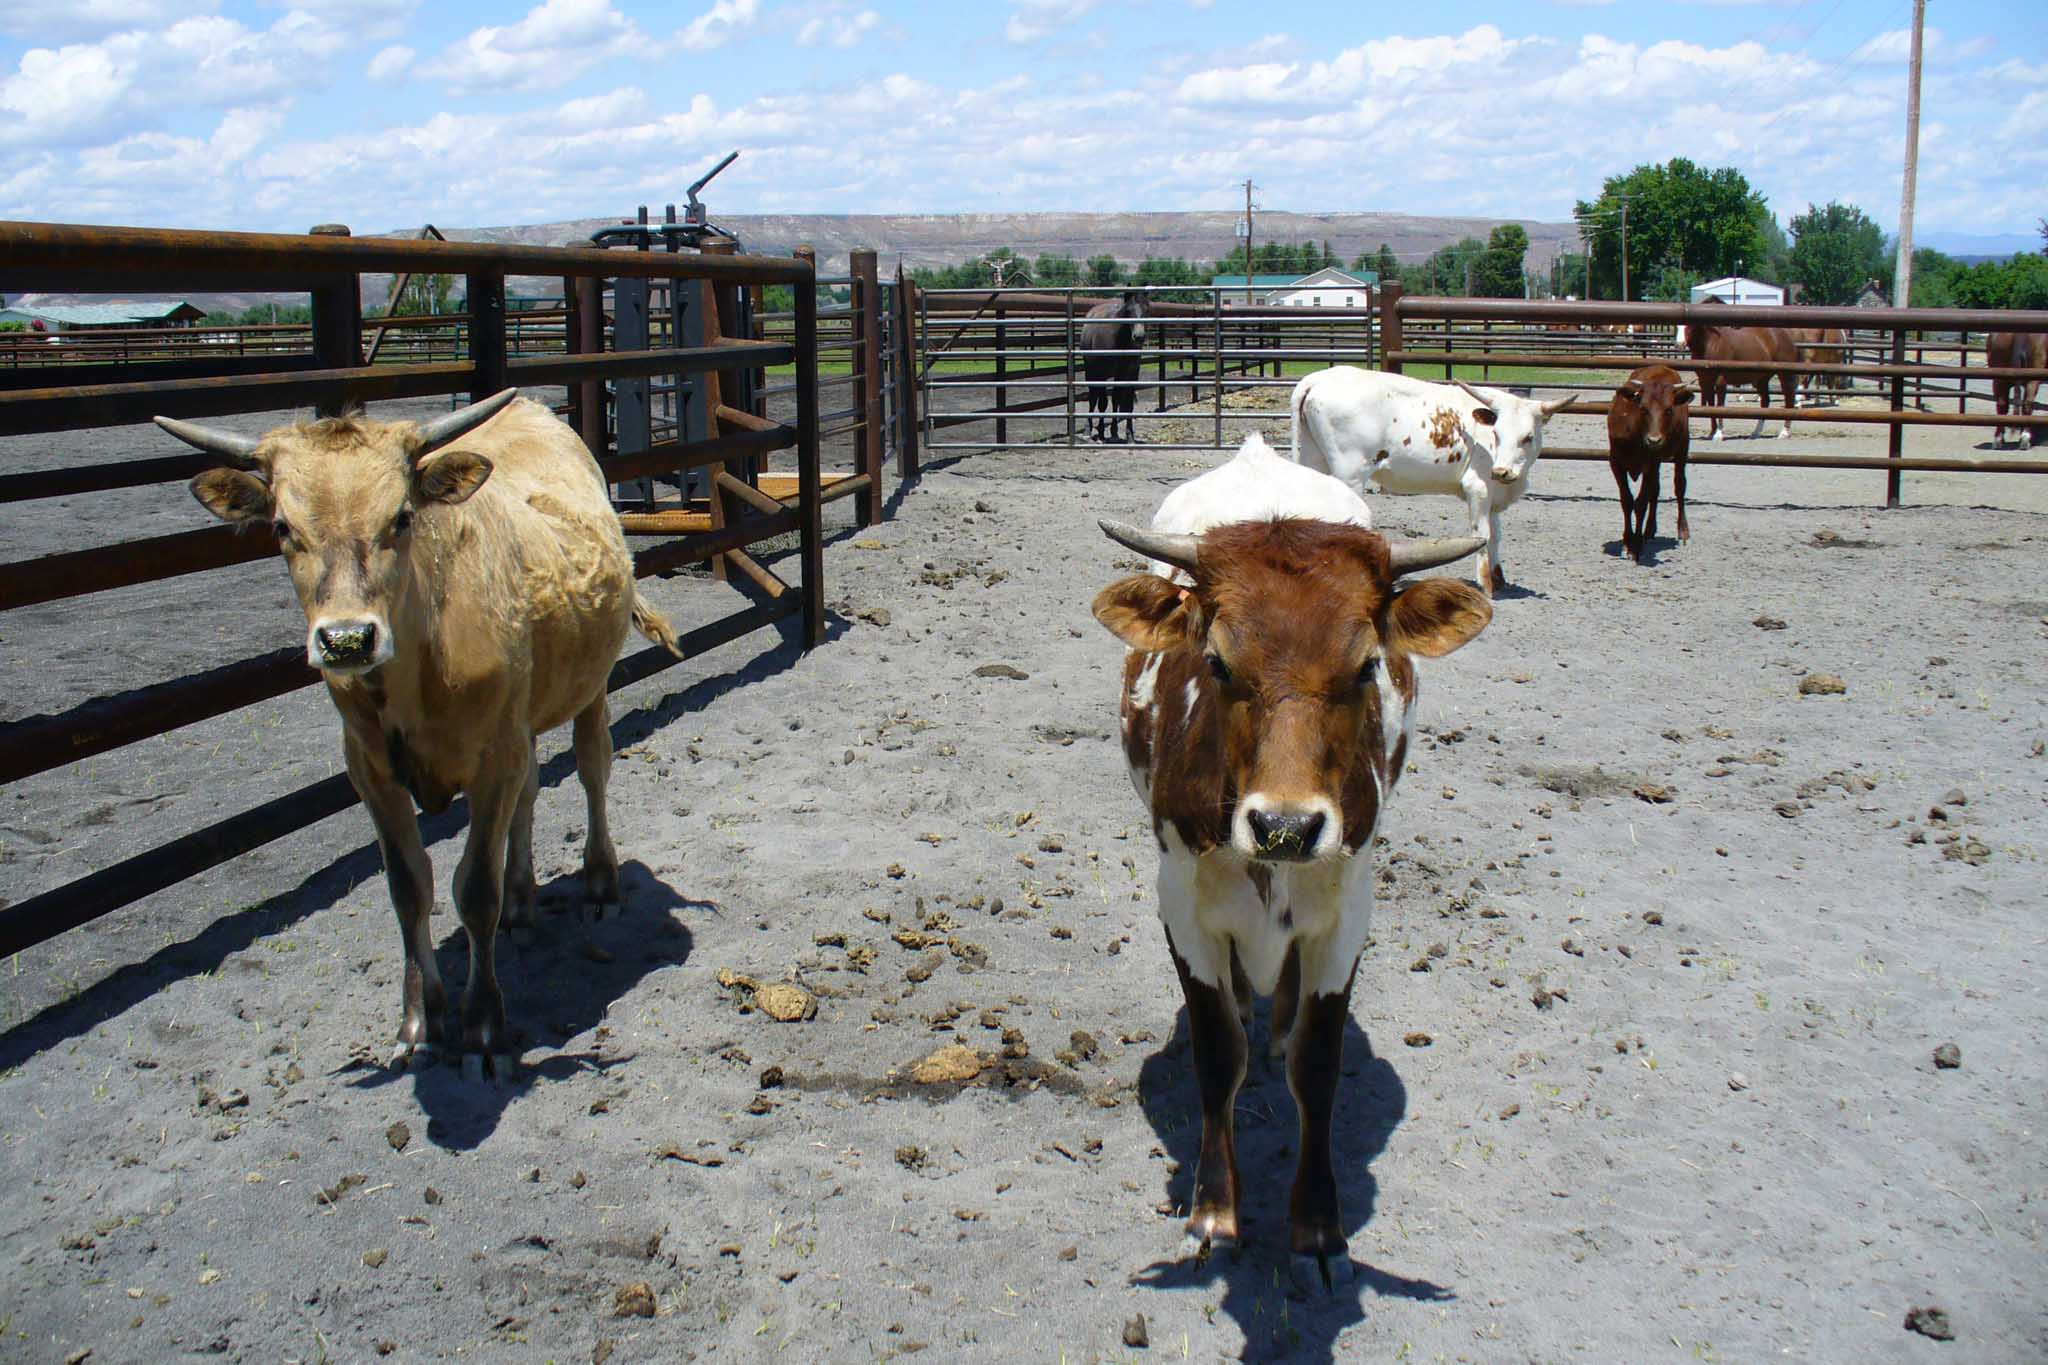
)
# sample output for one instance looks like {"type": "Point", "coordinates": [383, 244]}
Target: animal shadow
{"type": "Point", "coordinates": [1651, 549]}
{"type": "Point", "coordinates": [1515, 592]}
{"type": "Point", "coordinates": [558, 985]}
{"type": "Point", "coordinates": [1279, 1322]}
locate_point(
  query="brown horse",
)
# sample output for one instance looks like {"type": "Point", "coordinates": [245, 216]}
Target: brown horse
{"type": "Point", "coordinates": [1826, 345]}
{"type": "Point", "coordinates": [1771, 350]}
{"type": "Point", "coordinates": [2019, 351]}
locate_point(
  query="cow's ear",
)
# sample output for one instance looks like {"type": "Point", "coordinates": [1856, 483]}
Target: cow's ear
{"type": "Point", "coordinates": [1434, 616]}
{"type": "Point", "coordinates": [450, 476]}
{"type": "Point", "coordinates": [1486, 417]}
{"type": "Point", "coordinates": [1682, 394]}
{"type": "Point", "coordinates": [234, 495]}
{"type": "Point", "coordinates": [1150, 614]}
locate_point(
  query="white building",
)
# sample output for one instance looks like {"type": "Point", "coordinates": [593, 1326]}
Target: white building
{"type": "Point", "coordinates": [1739, 289]}
{"type": "Point", "coordinates": [1326, 288]}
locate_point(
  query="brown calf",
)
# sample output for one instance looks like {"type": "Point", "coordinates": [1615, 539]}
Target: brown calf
{"type": "Point", "coordinates": [1649, 422]}
{"type": "Point", "coordinates": [1264, 712]}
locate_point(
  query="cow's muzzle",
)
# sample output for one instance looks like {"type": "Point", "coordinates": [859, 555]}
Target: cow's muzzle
{"type": "Point", "coordinates": [1506, 473]}
{"type": "Point", "coordinates": [1288, 836]}
{"type": "Point", "coordinates": [348, 646]}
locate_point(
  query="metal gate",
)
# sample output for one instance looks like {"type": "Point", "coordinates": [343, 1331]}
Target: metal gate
{"type": "Point", "coordinates": [1001, 369]}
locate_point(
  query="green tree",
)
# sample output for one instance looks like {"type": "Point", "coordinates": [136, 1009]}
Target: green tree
{"type": "Point", "coordinates": [1835, 248]}
{"type": "Point", "coordinates": [1055, 271]}
{"type": "Point", "coordinates": [2021, 282]}
{"type": "Point", "coordinates": [1104, 271]}
{"type": "Point", "coordinates": [1709, 222]}
{"type": "Point", "coordinates": [425, 294]}
{"type": "Point", "coordinates": [1382, 261]}
{"type": "Point", "coordinates": [1447, 269]}
{"type": "Point", "coordinates": [1497, 274]}
{"type": "Point", "coordinates": [1934, 278]}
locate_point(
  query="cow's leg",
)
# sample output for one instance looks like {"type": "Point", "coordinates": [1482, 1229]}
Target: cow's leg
{"type": "Point", "coordinates": [1678, 493]}
{"type": "Point", "coordinates": [1478, 503]}
{"type": "Point", "coordinates": [1788, 383]}
{"type": "Point", "coordinates": [1646, 508]}
{"type": "Point", "coordinates": [479, 897]}
{"type": "Point", "coordinates": [1315, 1061]}
{"type": "Point", "coordinates": [1242, 994]}
{"type": "Point", "coordinates": [1500, 578]}
{"type": "Point", "coordinates": [411, 879]}
{"type": "Point", "coordinates": [594, 770]}
{"type": "Point", "coordinates": [1628, 511]}
{"type": "Point", "coordinates": [1286, 996]}
{"type": "Point", "coordinates": [522, 891]}
{"type": "Point", "coordinates": [1714, 388]}
{"type": "Point", "coordinates": [1219, 1050]}
{"type": "Point", "coordinates": [1763, 400]}
{"type": "Point", "coordinates": [2001, 395]}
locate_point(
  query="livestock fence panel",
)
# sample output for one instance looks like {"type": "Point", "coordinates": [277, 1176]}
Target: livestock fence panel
{"type": "Point", "coordinates": [331, 375]}
{"type": "Point", "coordinates": [1006, 365]}
{"type": "Point", "coordinates": [1453, 333]}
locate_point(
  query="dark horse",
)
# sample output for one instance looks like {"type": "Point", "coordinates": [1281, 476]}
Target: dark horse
{"type": "Point", "coordinates": [1114, 326]}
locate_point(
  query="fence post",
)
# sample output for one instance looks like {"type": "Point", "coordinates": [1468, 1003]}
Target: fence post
{"type": "Point", "coordinates": [1390, 326]}
{"type": "Point", "coordinates": [1216, 383]}
{"type": "Point", "coordinates": [1070, 368]}
{"type": "Point", "coordinates": [809, 502]}
{"type": "Point", "coordinates": [337, 324]}
{"type": "Point", "coordinates": [867, 382]}
{"type": "Point", "coordinates": [906, 379]}
{"type": "Point", "coordinates": [593, 422]}
{"type": "Point", "coordinates": [1002, 385]}
{"type": "Point", "coordinates": [487, 333]}
{"type": "Point", "coordinates": [1898, 431]}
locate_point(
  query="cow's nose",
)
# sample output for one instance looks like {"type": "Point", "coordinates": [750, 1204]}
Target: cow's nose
{"type": "Point", "coordinates": [1286, 836]}
{"type": "Point", "coordinates": [1505, 473]}
{"type": "Point", "coordinates": [353, 642]}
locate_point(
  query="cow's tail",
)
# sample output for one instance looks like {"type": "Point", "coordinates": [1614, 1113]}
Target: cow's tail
{"type": "Point", "coordinates": [655, 626]}
{"type": "Point", "coordinates": [1303, 447]}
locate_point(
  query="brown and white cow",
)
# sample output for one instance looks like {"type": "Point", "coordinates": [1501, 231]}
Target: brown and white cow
{"type": "Point", "coordinates": [460, 599]}
{"type": "Point", "coordinates": [2018, 351]}
{"type": "Point", "coordinates": [1649, 422]}
{"type": "Point", "coordinates": [1266, 706]}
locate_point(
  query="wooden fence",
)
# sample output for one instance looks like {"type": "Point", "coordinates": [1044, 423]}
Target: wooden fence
{"type": "Point", "coordinates": [332, 375]}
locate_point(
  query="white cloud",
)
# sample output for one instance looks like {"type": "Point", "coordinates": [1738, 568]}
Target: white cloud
{"type": "Point", "coordinates": [718, 25]}
{"type": "Point", "coordinates": [1897, 46]}
{"type": "Point", "coordinates": [838, 29]}
{"type": "Point", "coordinates": [557, 41]}
{"type": "Point", "coordinates": [390, 65]}
{"type": "Point", "coordinates": [1031, 20]}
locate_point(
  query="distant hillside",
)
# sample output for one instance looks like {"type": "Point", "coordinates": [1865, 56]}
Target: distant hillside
{"type": "Point", "coordinates": [939, 239]}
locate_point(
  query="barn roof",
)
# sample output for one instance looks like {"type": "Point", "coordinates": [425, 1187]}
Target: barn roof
{"type": "Point", "coordinates": [110, 314]}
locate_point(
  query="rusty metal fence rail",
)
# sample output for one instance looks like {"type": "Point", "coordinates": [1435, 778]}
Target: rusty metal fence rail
{"type": "Point", "coordinates": [1898, 325]}
{"type": "Point", "coordinates": [1009, 362]}
{"type": "Point", "coordinates": [79, 259]}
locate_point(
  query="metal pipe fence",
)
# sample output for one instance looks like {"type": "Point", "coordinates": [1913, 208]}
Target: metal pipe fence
{"type": "Point", "coordinates": [598, 377]}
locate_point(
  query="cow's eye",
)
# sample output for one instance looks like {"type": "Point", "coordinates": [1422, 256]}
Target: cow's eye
{"type": "Point", "coordinates": [1219, 668]}
{"type": "Point", "coordinates": [282, 529]}
{"type": "Point", "coordinates": [1368, 672]}
{"type": "Point", "coordinates": [401, 523]}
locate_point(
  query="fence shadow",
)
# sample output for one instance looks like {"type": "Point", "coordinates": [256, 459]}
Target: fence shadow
{"type": "Point", "coordinates": [326, 886]}
{"type": "Point", "coordinates": [1280, 1321]}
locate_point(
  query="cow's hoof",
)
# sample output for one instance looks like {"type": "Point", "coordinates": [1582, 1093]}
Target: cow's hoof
{"type": "Point", "coordinates": [1715, 437]}
{"type": "Point", "coordinates": [478, 1067]}
{"type": "Point", "coordinates": [412, 1056]}
{"type": "Point", "coordinates": [1327, 1272]}
{"type": "Point", "coordinates": [592, 911]}
{"type": "Point", "coordinates": [1783, 434]}
{"type": "Point", "coordinates": [1196, 1249]}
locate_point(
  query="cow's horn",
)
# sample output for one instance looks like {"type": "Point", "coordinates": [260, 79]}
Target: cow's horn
{"type": "Point", "coordinates": [1179, 551]}
{"type": "Point", "coordinates": [239, 451]}
{"type": "Point", "coordinates": [1553, 409]}
{"type": "Point", "coordinates": [1481, 398]}
{"type": "Point", "coordinates": [1413, 556]}
{"type": "Point", "coordinates": [441, 430]}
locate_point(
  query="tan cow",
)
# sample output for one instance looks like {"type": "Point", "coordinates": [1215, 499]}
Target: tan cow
{"type": "Point", "coordinates": [459, 601]}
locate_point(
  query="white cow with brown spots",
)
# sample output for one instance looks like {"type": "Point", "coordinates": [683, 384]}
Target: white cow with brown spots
{"type": "Point", "coordinates": [1266, 704]}
{"type": "Point", "coordinates": [466, 587]}
{"type": "Point", "coordinates": [1411, 436]}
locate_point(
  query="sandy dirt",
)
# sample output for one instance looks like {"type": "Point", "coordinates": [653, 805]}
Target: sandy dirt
{"type": "Point", "coordinates": [1643, 1065]}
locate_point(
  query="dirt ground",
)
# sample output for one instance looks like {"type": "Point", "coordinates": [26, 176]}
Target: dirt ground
{"type": "Point", "coordinates": [1644, 1057]}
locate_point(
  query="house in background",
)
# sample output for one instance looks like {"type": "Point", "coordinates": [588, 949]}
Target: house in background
{"type": "Point", "coordinates": [99, 317]}
{"type": "Point", "coordinates": [1325, 288]}
{"type": "Point", "coordinates": [1740, 289]}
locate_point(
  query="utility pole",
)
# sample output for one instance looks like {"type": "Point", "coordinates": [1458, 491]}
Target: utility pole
{"type": "Point", "coordinates": [1247, 242]}
{"type": "Point", "coordinates": [1624, 250]}
{"type": "Point", "coordinates": [1902, 273]}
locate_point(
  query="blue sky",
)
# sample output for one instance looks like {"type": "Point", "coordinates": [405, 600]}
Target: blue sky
{"type": "Point", "coordinates": [275, 114]}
